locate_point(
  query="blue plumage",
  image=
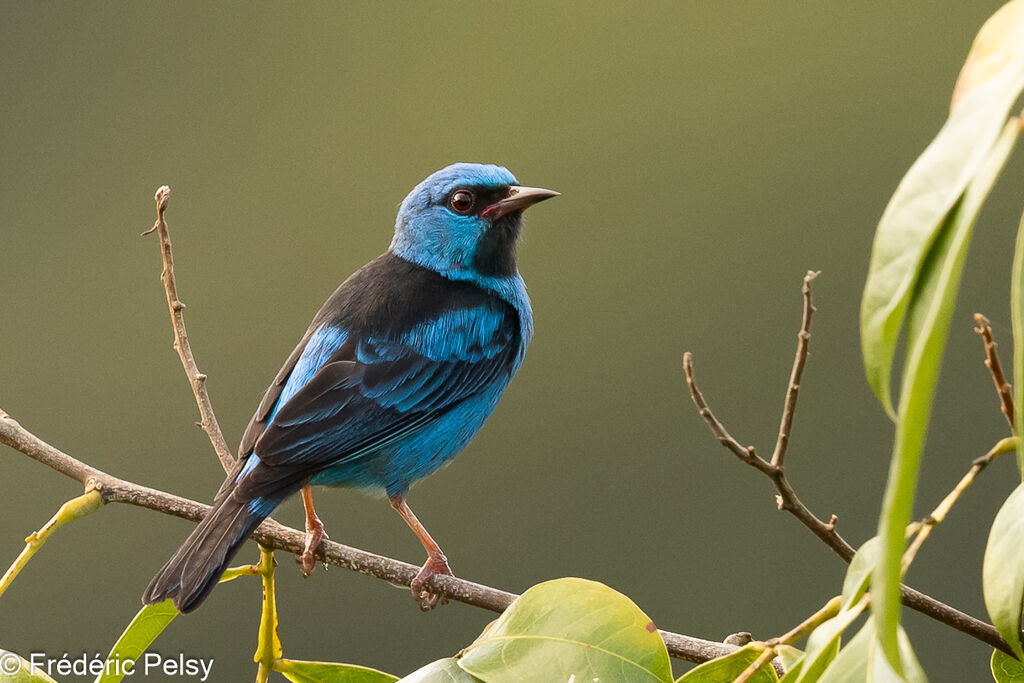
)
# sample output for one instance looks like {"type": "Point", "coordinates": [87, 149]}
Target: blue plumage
{"type": "Point", "coordinates": [395, 375]}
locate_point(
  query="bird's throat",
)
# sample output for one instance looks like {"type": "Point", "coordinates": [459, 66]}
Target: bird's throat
{"type": "Point", "coordinates": [496, 250]}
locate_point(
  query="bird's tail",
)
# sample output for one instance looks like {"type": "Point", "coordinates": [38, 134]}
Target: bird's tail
{"type": "Point", "coordinates": [195, 568]}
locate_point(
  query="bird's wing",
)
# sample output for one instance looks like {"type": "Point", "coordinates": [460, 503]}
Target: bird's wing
{"type": "Point", "coordinates": [259, 419]}
{"type": "Point", "coordinates": [373, 390]}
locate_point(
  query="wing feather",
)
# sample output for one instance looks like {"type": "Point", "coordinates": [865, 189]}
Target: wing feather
{"type": "Point", "coordinates": [377, 390]}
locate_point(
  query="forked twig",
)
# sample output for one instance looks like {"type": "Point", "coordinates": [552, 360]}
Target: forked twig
{"type": "Point", "coordinates": [787, 499]}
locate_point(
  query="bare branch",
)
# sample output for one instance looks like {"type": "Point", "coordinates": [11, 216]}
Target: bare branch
{"type": "Point", "coordinates": [792, 391]}
{"type": "Point", "coordinates": [271, 534]}
{"type": "Point", "coordinates": [1003, 387]}
{"type": "Point", "coordinates": [181, 345]}
{"type": "Point", "coordinates": [788, 500]}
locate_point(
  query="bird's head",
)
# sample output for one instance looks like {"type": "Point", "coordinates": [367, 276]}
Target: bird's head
{"type": "Point", "coordinates": [464, 221]}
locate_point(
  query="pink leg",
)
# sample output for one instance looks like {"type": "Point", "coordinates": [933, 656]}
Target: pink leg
{"type": "Point", "coordinates": [436, 562]}
{"type": "Point", "coordinates": [314, 532]}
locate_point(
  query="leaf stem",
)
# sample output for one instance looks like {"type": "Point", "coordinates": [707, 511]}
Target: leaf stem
{"type": "Point", "coordinates": [268, 649]}
{"type": "Point", "coordinates": [87, 503]}
{"type": "Point", "coordinates": [829, 610]}
{"type": "Point", "coordinates": [233, 573]}
{"type": "Point", "coordinates": [925, 526]}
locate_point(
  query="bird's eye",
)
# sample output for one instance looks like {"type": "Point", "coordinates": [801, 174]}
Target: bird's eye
{"type": "Point", "coordinates": [462, 201]}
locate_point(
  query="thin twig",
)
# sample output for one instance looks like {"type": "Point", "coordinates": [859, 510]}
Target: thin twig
{"type": "Point", "coordinates": [1007, 445]}
{"type": "Point", "coordinates": [793, 390]}
{"type": "Point", "coordinates": [271, 534]}
{"type": "Point", "coordinates": [195, 378]}
{"type": "Point", "coordinates": [826, 531]}
{"type": "Point", "coordinates": [787, 498]}
{"type": "Point", "coordinates": [829, 610]}
{"type": "Point", "coordinates": [1003, 387]}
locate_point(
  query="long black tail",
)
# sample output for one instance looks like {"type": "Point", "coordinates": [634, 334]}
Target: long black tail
{"type": "Point", "coordinates": [195, 568]}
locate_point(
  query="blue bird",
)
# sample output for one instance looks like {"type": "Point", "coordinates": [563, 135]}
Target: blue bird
{"type": "Point", "coordinates": [395, 375]}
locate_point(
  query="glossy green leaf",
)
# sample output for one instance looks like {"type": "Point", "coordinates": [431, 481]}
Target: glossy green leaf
{"type": "Point", "coordinates": [14, 669]}
{"type": "Point", "coordinates": [823, 643]}
{"type": "Point", "coordinates": [139, 635]}
{"type": "Point", "coordinates": [329, 672]}
{"type": "Point", "coordinates": [935, 182]}
{"type": "Point", "coordinates": [1003, 570]}
{"type": "Point", "coordinates": [570, 628]}
{"type": "Point", "coordinates": [726, 669]}
{"type": "Point", "coordinates": [442, 671]}
{"type": "Point", "coordinates": [932, 310]}
{"type": "Point", "coordinates": [1006, 669]}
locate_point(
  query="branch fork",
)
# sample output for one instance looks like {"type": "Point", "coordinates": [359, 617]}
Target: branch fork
{"type": "Point", "coordinates": [787, 499]}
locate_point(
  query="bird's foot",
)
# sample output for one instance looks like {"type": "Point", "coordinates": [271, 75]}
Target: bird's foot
{"type": "Point", "coordinates": [424, 598]}
{"type": "Point", "coordinates": [314, 535]}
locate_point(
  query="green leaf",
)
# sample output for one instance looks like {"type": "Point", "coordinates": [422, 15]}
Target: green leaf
{"type": "Point", "coordinates": [14, 669]}
{"type": "Point", "coordinates": [933, 185]}
{"type": "Point", "coordinates": [792, 660]}
{"type": "Point", "coordinates": [1006, 669]}
{"type": "Point", "coordinates": [882, 671]}
{"type": "Point", "coordinates": [139, 635]}
{"type": "Point", "coordinates": [931, 311]}
{"type": "Point", "coordinates": [442, 671]}
{"type": "Point", "coordinates": [1017, 317]}
{"type": "Point", "coordinates": [789, 655]}
{"type": "Point", "coordinates": [851, 665]}
{"type": "Point", "coordinates": [1003, 570]}
{"type": "Point", "coordinates": [858, 574]}
{"type": "Point", "coordinates": [793, 672]}
{"type": "Point", "coordinates": [726, 669]}
{"type": "Point", "coordinates": [862, 661]}
{"type": "Point", "coordinates": [570, 627]}
{"type": "Point", "coordinates": [329, 672]}
{"type": "Point", "coordinates": [993, 48]}
{"type": "Point", "coordinates": [823, 643]}
{"type": "Point", "coordinates": [912, 671]}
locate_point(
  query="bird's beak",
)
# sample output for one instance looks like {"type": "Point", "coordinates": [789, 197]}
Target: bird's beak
{"type": "Point", "coordinates": [518, 199]}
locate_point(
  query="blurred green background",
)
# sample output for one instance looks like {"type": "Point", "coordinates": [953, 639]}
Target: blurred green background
{"type": "Point", "coordinates": [709, 154]}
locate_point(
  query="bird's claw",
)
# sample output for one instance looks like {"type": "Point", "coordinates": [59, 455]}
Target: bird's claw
{"type": "Point", "coordinates": [315, 534]}
{"type": "Point", "coordinates": [424, 598]}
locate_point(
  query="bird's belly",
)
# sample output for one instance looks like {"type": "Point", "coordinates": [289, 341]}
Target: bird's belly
{"type": "Point", "coordinates": [397, 466]}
